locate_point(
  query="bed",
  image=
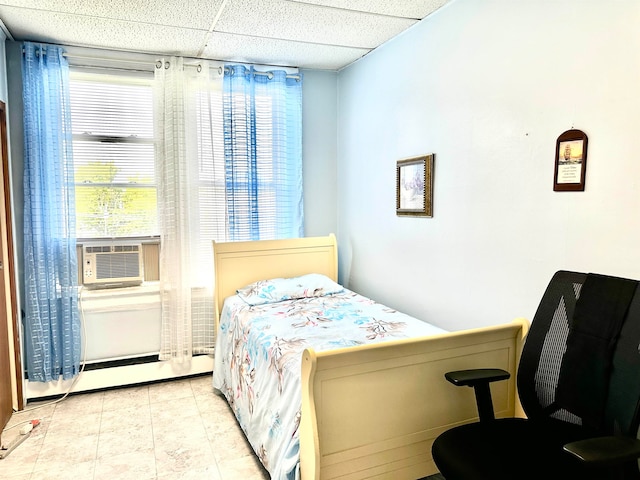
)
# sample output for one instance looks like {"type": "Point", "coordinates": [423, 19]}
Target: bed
{"type": "Point", "coordinates": [371, 410]}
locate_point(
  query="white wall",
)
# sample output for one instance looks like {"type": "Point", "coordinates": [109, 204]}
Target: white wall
{"type": "Point", "coordinates": [3, 69]}
{"type": "Point", "coordinates": [488, 86]}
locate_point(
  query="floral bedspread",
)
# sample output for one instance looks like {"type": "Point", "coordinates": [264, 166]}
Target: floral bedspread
{"type": "Point", "coordinates": [258, 361]}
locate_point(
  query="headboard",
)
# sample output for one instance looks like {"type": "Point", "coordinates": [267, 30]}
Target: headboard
{"type": "Point", "coordinates": [240, 263]}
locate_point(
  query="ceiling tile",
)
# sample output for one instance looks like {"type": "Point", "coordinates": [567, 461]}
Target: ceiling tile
{"type": "Point", "coordinates": [101, 33]}
{"type": "Point", "coordinates": [417, 9]}
{"type": "Point", "coordinates": [238, 48]}
{"type": "Point", "coordinates": [323, 34]}
{"type": "Point", "coordinates": [288, 20]}
{"type": "Point", "coordinates": [196, 14]}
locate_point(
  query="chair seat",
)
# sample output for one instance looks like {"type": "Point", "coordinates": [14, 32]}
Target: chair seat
{"type": "Point", "coordinates": [515, 442]}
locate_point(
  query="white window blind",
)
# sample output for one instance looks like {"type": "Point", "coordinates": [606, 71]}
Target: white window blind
{"type": "Point", "coordinates": [113, 151]}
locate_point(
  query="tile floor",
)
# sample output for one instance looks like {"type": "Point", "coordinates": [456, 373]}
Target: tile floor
{"type": "Point", "coordinates": [164, 431]}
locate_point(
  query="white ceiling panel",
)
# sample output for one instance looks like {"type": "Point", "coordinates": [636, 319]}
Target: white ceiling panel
{"type": "Point", "coordinates": [286, 53]}
{"type": "Point", "coordinates": [103, 33]}
{"type": "Point", "coordinates": [416, 9]}
{"type": "Point", "coordinates": [288, 20]}
{"type": "Point", "coordinates": [322, 34]}
{"type": "Point", "coordinates": [196, 14]}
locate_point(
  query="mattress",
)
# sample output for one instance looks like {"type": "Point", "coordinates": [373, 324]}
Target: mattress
{"type": "Point", "coordinates": [258, 360]}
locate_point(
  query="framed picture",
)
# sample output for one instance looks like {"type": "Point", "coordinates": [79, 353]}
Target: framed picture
{"type": "Point", "coordinates": [571, 162]}
{"type": "Point", "coordinates": [414, 186]}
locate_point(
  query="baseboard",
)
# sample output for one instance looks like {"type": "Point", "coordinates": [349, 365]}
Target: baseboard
{"type": "Point", "coordinates": [118, 376]}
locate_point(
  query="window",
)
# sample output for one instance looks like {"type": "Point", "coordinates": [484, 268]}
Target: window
{"type": "Point", "coordinates": [113, 151]}
{"type": "Point", "coordinates": [210, 172]}
{"type": "Point", "coordinates": [246, 142]}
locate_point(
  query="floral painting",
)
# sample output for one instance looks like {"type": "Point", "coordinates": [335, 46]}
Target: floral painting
{"type": "Point", "coordinates": [414, 186]}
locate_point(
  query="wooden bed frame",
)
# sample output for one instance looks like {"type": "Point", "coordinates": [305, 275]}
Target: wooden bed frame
{"type": "Point", "coordinates": [373, 411]}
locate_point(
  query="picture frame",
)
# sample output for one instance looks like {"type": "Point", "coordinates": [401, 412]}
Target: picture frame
{"type": "Point", "coordinates": [414, 186]}
{"type": "Point", "coordinates": [570, 162]}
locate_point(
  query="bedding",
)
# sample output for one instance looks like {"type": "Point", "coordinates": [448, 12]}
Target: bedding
{"type": "Point", "coordinates": [280, 289]}
{"type": "Point", "coordinates": [262, 334]}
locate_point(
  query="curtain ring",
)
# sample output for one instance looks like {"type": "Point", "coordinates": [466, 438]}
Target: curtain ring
{"type": "Point", "coordinates": [159, 64]}
{"type": "Point", "coordinates": [220, 70]}
{"type": "Point", "coordinates": [166, 65]}
{"type": "Point", "coordinates": [270, 75]}
{"type": "Point", "coordinates": [199, 68]}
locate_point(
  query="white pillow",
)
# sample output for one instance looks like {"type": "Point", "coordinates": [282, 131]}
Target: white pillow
{"type": "Point", "coordinates": [281, 289]}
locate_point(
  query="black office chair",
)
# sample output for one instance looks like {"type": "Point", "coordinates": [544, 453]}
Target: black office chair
{"type": "Point", "coordinates": [579, 384]}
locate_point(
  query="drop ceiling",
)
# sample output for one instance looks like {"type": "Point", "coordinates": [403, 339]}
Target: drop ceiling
{"type": "Point", "coordinates": [316, 34]}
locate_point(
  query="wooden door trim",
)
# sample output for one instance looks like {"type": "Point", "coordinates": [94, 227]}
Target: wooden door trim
{"type": "Point", "coordinates": [13, 298]}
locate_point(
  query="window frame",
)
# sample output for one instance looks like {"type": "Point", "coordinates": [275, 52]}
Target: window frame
{"type": "Point", "coordinates": [115, 76]}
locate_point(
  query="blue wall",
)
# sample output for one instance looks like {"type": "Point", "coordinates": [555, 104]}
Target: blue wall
{"type": "Point", "coordinates": [488, 86]}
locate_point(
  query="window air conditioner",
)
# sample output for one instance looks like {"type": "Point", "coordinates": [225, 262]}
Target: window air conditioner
{"type": "Point", "coordinates": [112, 265]}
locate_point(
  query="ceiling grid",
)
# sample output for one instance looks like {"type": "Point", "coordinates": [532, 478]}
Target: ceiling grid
{"type": "Point", "coordinates": [315, 34]}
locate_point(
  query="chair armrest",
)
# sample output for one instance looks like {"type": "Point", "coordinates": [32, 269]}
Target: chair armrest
{"type": "Point", "coordinates": [602, 451]}
{"type": "Point", "coordinates": [475, 376]}
{"type": "Point", "coordinates": [479, 379]}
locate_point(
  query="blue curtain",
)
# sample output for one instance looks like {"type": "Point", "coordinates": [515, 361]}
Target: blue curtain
{"type": "Point", "coordinates": [52, 321]}
{"type": "Point", "coordinates": [262, 115]}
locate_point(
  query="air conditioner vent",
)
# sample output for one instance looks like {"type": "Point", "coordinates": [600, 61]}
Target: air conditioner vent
{"type": "Point", "coordinates": [98, 249]}
{"type": "Point", "coordinates": [112, 265]}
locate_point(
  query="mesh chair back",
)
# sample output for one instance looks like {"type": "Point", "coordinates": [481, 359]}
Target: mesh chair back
{"type": "Point", "coordinates": [545, 346]}
{"type": "Point", "coordinates": [543, 352]}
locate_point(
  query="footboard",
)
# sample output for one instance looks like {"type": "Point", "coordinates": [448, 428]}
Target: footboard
{"type": "Point", "coordinates": [374, 411]}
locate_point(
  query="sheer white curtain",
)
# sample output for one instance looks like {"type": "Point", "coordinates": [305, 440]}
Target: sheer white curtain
{"type": "Point", "coordinates": [186, 101]}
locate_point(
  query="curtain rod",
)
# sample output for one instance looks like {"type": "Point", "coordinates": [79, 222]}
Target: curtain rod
{"type": "Point", "coordinates": [226, 70]}
{"type": "Point", "coordinates": [158, 63]}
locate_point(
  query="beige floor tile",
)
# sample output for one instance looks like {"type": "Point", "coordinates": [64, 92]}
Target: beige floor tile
{"type": "Point", "coordinates": [188, 431]}
{"type": "Point", "coordinates": [80, 404]}
{"type": "Point", "coordinates": [219, 426]}
{"type": "Point", "coordinates": [245, 468]}
{"type": "Point", "coordinates": [212, 403]}
{"type": "Point", "coordinates": [82, 422]}
{"type": "Point", "coordinates": [120, 419]}
{"type": "Point", "coordinates": [202, 385]}
{"type": "Point", "coordinates": [169, 431]}
{"type": "Point", "coordinates": [217, 417]}
{"type": "Point", "coordinates": [182, 455]}
{"type": "Point", "coordinates": [67, 449]}
{"type": "Point", "coordinates": [138, 465]}
{"type": "Point", "coordinates": [208, 472]}
{"type": "Point", "coordinates": [122, 398]}
{"type": "Point", "coordinates": [16, 477]}
{"type": "Point", "coordinates": [231, 446]}
{"type": "Point", "coordinates": [126, 440]}
{"type": "Point", "coordinates": [164, 391]}
{"type": "Point", "coordinates": [82, 470]}
{"type": "Point", "coordinates": [175, 413]}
